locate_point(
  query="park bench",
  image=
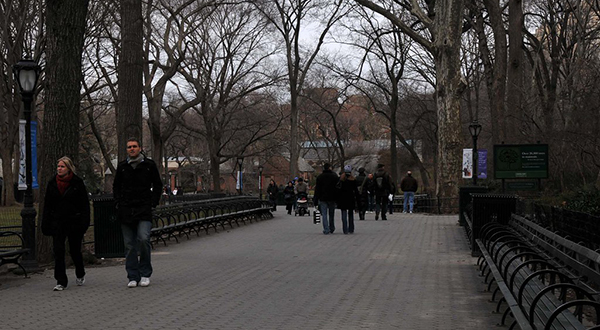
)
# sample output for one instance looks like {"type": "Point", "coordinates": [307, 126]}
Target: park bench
{"type": "Point", "coordinates": [545, 280]}
{"type": "Point", "coordinates": [184, 219]}
{"type": "Point", "coordinates": [11, 249]}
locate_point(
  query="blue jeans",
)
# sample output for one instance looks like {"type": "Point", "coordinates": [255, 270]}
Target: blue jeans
{"type": "Point", "coordinates": [348, 221]}
{"type": "Point", "coordinates": [137, 241]}
{"type": "Point", "coordinates": [327, 210]}
{"type": "Point", "coordinates": [409, 197]}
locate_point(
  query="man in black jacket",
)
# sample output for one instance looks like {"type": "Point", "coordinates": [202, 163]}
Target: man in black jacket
{"type": "Point", "coordinates": [137, 189]}
{"type": "Point", "coordinates": [325, 196]}
{"type": "Point", "coordinates": [409, 186]}
{"type": "Point", "coordinates": [383, 188]}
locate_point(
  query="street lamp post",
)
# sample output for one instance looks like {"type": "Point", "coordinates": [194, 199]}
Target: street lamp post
{"type": "Point", "coordinates": [240, 160]}
{"type": "Point", "coordinates": [260, 171]}
{"type": "Point", "coordinates": [26, 74]}
{"type": "Point", "coordinates": [475, 129]}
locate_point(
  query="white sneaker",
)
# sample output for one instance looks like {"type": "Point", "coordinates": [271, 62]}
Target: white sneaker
{"type": "Point", "coordinates": [132, 284]}
{"type": "Point", "coordinates": [59, 287]}
{"type": "Point", "coordinates": [145, 281]}
{"type": "Point", "coordinates": [80, 281]}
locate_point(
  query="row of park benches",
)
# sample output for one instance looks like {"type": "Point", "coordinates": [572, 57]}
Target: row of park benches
{"type": "Point", "coordinates": [183, 219]}
{"type": "Point", "coordinates": [546, 281]}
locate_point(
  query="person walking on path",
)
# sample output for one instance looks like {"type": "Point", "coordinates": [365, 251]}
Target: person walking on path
{"type": "Point", "coordinates": [136, 188]}
{"type": "Point", "coordinates": [409, 186]}
{"type": "Point", "coordinates": [348, 199]}
{"type": "Point", "coordinates": [325, 197]}
{"type": "Point", "coordinates": [66, 215]}
{"type": "Point", "coordinates": [383, 187]}
{"type": "Point", "coordinates": [390, 205]}
{"type": "Point", "coordinates": [361, 178]}
{"type": "Point", "coordinates": [273, 191]}
{"type": "Point", "coordinates": [370, 187]}
{"type": "Point", "coordinates": [289, 197]}
{"type": "Point", "coordinates": [301, 189]}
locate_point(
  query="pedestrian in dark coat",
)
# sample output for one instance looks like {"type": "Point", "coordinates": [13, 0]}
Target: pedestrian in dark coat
{"type": "Point", "coordinates": [348, 199]}
{"type": "Point", "coordinates": [361, 178]}
{"type": "Point", "coordinates": [383, 188]}
{"type": "Point", "coordinates": [273, 191]}
{"type": "Point", "coordinates": [137, 189]}
{"type": "Point", "coordinates": [289, 197]}
{"type": "Point", "coordinates": [325, 197]}
{"type": "Point", "coordinates": [66, 216]}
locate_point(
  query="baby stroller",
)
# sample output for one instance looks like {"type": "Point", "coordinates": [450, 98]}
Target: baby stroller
{"type": "Point", "coordinates": [302, 208]}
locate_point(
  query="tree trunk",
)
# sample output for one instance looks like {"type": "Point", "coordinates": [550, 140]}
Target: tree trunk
{"type": "Point", "coordinates": [515, 86]}
{"type": "Point", "coordinates": [498, 81]}
{"type": "Point", "coordinates": [294, 122]}
{"type": "Point", "coordinates": [449, 89]}
{"type": "Point", "coordinates": [60, 136]}
{"type": "Point", "coordinates": [129, 103]}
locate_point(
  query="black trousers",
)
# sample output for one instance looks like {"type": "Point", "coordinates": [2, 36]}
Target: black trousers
{"type": "Point", "coordinates": [60, 268]}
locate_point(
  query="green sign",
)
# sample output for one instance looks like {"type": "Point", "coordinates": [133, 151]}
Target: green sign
{"type": "Point", "coordinates": [525, 161]}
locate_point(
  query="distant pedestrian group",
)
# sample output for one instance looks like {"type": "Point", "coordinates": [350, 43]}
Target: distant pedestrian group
{"type": "Point", "coordinates": [365, 193]}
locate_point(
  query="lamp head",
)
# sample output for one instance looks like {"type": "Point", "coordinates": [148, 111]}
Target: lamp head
{"type": "Point", "coordinates": [474, 129]}
{"type": "Point", "coordinates": [26, 74]}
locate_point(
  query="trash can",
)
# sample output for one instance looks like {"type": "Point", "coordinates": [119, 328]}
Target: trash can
{"type": "Point", "coordinates": [490, 208]}
{"type": "Point", "coordinates": [108, 239]}
{"type": "Point", "coordinates": [464, 199]}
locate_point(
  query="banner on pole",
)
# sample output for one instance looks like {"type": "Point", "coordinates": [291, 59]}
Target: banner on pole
{"type": "Point", "coordinates": [22, 183]}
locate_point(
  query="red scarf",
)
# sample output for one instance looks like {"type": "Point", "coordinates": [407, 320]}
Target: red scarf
{"type": "Point", "coordinates": [63, 182]}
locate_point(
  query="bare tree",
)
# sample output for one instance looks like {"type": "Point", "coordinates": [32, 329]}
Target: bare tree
{"type": "Point", "coordinates": [437, 27]}
{"type": "Point", "coordinates": [290, 19]}
{"type": "Point", "coordinates": [228, 73]}
{"type": "Point", "coordinates": [167, 24]}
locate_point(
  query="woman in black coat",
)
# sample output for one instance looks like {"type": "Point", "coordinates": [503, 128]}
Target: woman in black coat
{"type": "Point", "coordinates": [66, 215]}
{"type": "Point", "coordinates": [348, 199]}
{"type": "Point", "coordinates": [289, 196]}
{"type": "Point", "coordinates": [273, 191]}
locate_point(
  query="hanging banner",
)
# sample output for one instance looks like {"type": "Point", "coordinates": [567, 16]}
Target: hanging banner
{"type": "Point", "coordinates": [482, 163]}
{"type": "Point", "coordinates": [22, 183]}
{"type": "Point", "coordinates": [239, 184]}
{"type": "Point", "coordinates": [467, 166]}
{"type": "Point", "coordinates": [23, 156]}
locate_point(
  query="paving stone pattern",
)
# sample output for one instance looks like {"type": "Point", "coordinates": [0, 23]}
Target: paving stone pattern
{"type": "Point", "coordinates": [411, 272]}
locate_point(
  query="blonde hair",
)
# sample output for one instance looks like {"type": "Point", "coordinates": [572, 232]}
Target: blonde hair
{"type": "Point", "coordinates": [68, 163]}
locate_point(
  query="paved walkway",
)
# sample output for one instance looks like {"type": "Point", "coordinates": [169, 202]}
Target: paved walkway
{"type": "Point", "coordinates": [410, 272]}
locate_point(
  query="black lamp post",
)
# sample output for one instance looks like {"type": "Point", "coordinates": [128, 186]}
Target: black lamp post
{"type": "Point", "coordinates": [475, 129]}
{"type": "Point", "coordinates": [240, 160]}
{"type": "Point", "coordinates": [260, 171]}
{"type": "Point", "coordinates": [26, 73]}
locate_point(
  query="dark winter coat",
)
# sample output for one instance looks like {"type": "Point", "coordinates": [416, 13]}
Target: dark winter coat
{"type": "Point", "coordinates": [136, 191]}
{"type": "Point", "coordinates": [288, 194]}
{"type": "Point", "coordinates": [325, 189]}
{"type": "Point", "coordinates": [409, 184]}
{"type": "Point", "coordinates": [383, 183]}
{"type": "Point", "coordinates": [67, 213]}
{"type": "Point", "coordinates": [363, 186]}
{"type": "Point", "coordinates": [272, 190]}
{"type": "Point", "coordinates": [348, 196]}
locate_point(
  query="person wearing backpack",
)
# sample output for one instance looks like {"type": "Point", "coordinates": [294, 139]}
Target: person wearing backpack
{"type": "Point", "coordinates": [383, 187]}
{"type": "Point", "coordinates": [361, 179]}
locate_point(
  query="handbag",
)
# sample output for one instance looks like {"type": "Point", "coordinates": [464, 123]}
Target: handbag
{"type": "Point", "coordinates": [316, 216]}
